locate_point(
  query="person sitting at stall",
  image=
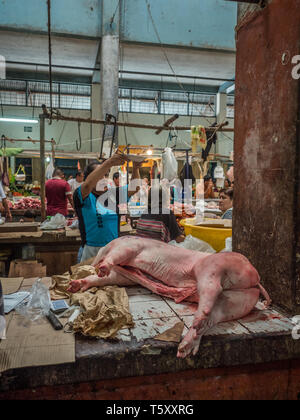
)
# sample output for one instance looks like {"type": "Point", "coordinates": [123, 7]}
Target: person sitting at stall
{"type": "Point", "coordinates": [208, 188]}
{"type": "Point", "coordinates": [227, 184]}
{"type": "Point", "coordinates": [226, 203]}
{"type": "Point", "coordinates": [77, 181]}
{"type": "Point", "coordinates": [97, 208]}
{"type": "Point", "coordinates": [4, 208]}
{"type": "Point", "coordinates": [58, 193]}
{"type": "Point", "coordinates": [29, 216]}
{"type": "Point", "coordinates": [141, 196]}
{"type": "Point", "coordinates": [159, 222]}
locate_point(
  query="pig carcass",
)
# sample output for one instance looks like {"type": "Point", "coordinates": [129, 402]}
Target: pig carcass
{"type": "Point", "coordinates": [225, 285]}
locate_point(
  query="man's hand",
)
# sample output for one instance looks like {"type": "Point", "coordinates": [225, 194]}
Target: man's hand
{"type": "Point", "coordinates": [116, 160]}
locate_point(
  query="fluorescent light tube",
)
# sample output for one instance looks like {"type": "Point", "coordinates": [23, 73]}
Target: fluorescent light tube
{"type": "Point", "coordinates": [19, 120]}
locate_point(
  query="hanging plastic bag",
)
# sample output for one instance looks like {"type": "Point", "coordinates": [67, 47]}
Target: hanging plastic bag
{"type": "Point", "coordinates": [170, 164]}
{"type": "Point", "coordinates": [20, 175]}
{"type": "Point", "coordinates": [37, 305]}
{"type": "Point", "coordinates": [56, 222]}
{"type": "Point", "coordinates": [194, 244]}
{"type": "Point", "coordinates": [219, 175]}
{"type": "Point", "coordinates": [228, 245]}
{"type": "Point", "coordinates": [50, 169]}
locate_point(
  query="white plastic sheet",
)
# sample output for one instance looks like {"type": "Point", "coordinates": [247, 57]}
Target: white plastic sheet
{"type": "Point", "coordinates": [56, 222]}
{"type": "Point", "coordinates": [194, 244]}
{"type": "Point", "coordinates": [2, 328]}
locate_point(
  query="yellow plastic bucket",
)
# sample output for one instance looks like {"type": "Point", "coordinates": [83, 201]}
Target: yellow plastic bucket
{"type": "Point", "coordinates": [213, 236]}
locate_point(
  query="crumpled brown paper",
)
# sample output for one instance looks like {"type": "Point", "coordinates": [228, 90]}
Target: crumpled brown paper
{"type": "Point", "coordinates": [106, 309]}
{"type": "Point", "coordinates": [60, 283]}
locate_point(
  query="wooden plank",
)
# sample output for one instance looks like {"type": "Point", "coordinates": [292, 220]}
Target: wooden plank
{"type": "Point", "coordinates": [267, 322]}
{"type": "Point", "coordinates": [73, 233]}
{"type": "Point", "coordinates": [19, 227]}
{"type": "Point", "coordinates": [57, 262]}
{"type": "Point", "coordinates": [18, 235]}
{"type": "Point", "coordinates": [149, 328]}
{"type": "Point", "coordinates": [19, 268]}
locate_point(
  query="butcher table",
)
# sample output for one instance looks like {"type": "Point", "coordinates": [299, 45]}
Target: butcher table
{"type": "Point", "coordinates": [252, 358]}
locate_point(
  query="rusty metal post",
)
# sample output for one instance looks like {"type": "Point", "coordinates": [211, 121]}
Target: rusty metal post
{"type": "Point", "coordinates": [43, 171]}
{"type": "Point", "coordinates": [266, 215]}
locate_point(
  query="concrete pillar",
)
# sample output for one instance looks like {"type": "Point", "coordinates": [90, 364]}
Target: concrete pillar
{"type": "Point", "coordinates": [96, 114]}
{"type": "Point", "coordinates": [110, 57]}
{"type": "Point", "coordinates": [221, 109]}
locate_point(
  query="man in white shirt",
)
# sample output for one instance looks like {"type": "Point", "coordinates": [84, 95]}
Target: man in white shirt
{"type": "Point", "coordinates": [76, 182]}
{"type": "Point", "coordinates": [4, 209]}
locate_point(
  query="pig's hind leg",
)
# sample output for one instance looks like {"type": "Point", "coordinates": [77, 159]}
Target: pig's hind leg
{"type": "Point", "coordinates": [231, 305]}
{"type": "Point", "coordinates": [209, 289]}
{"type": "Point", "coordinates": [218, 272]}
{"type": "Point", "coordinates": [214, 274]}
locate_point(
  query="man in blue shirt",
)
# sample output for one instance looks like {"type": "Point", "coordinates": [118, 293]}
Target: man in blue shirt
{"type": "Point", "coordinates": [98, 210]}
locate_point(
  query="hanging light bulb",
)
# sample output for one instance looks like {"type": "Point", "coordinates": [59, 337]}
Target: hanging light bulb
{"type": "Point", "coordinates": [149, 152]}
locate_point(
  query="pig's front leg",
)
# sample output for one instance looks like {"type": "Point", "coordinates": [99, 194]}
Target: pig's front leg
{"type": "Point", "coordinates": [114, 279]}
{"type": "Point", "coordinates": [84, 284]}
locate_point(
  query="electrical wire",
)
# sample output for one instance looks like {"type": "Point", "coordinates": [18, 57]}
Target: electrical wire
{"type": "Point", "coordinates": [1, 103]}
{"type": "Point", "coordinates": [167, 58]}
{"type": "Point", "coordinates": [78, 144]}
{"type": "Point", "coordinates": [121, 79]}
{"type": "Point", "coordinates": [50, 54]}
{"type": "Point", "coordinates": [114, 15]}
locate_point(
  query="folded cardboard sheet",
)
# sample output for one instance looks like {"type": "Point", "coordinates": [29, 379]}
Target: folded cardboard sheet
{"type": "Point", "coordinates": [32, 343]}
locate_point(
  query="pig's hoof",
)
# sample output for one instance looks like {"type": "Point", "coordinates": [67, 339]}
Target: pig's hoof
{"type": "Point", "coordinates": [74, 287]}
{"type": "Point", "coordinates": [190, 344]}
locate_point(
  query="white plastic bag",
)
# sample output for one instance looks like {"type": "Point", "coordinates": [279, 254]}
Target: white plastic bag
{"type": "Point", "coordinates": [50, 169]}
{"type": "Point", "coordinates": [56, 222]}
{"type": "Point", "coordinates": [2, 328]}
{"type": "Point", "coordinates": [170, 164]}
{"type": "Point", "coordinates": [38, 303]}
{"type": "Point", "coordinates": [194, 244]}
{"type": "Point", "coordinates": [228, 245]}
